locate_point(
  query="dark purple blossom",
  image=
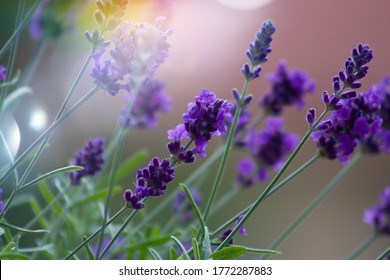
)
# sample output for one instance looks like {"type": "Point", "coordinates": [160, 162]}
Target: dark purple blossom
{"type": "Point", "coordinates": [311, 116]}
{"type": "Point", "coordinates": [1, 202]}
{"type": "Point", "coordinates": [3, 73]}
{"type": "Point", "coordinates": [258, 50]}
{"type": "Point", "coordinates": [360, 123]}
{"type": "Point", "coordinates": [242, 229]}
{"type": "Point", "coordinates": [246, 172]}
{"type": "Point", "coordinates": [149, 100]}
{"type": "Point", "coordinates": [205, 118]}
{"type": "Point", "coordinates": [90, 157]}
{"type": "Point", "coordinates": [268, 148]}
{"type": "Point", "coordinates": [287, 88]}
{"type": "Point", "coordinates": [379, 215]}
{"type": "Point", "coordinates": [151, 181]}
{"type": "Point", "coordinates": [226, 233]}
{"type": "Point", "coordinates": [183, 207]}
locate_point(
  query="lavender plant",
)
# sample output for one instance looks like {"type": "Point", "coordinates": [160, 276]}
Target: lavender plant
{"type": "Point", "coordinates": [124, 59]}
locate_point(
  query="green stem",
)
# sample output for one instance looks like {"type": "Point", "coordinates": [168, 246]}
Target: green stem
{"type": "Point", "coordinates": [12, 54]}
{"type": "Point", "coordinates": [121, 229]}
{"type": "Point", "coordinates": [47, 132]}
{"type": "Point", "coordinates": [25, 20]}
{"type": "Point", "coordinates": [384, 254]}
{"type": "Point", "coordinates": [275, 189]}
{"type": "Point", "coordinates": [81, 245]}
{"type": "Point", "coordinates": [321, 197]}
{"type": "Point", "coordinates": [225, 155]}
{"type": "Point", "coordinates": [59, 114]}
{"type": "Point", "coordinates": [362, 247]}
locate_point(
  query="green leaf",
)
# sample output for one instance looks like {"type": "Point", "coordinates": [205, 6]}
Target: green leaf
{"type": "Point", "coordinates": [90, 254]}
{"type": "Point", "coordinates": [193, 205]}
{"type": "Point", "coordinates": [263, 251]}
{"type": "Point", "coordinates": [42, 248]}
{"type": "Point", "coordinates": [22, 229]}
{"type": "Point", "coordinates": [206, 244]}
{"type": "Point", "coordinates": [146, 244]}
{"type": "Point", "coordinates": [184, 255]}
{"type": "Point", "coordinates": [8, 248]}
{"type": "Point", "coordinates": [37, 212]}
{"type": "Point", "coordinates": [12, 99]}
{"type": "Point", "coordinates": [13, 256]}
{"type": "Point", "coordinates": [11, 82]}
{"type": "Point", "coordinates": [173, 255]}
{"type": "Point", "coordinates": [228, 253]}
{"type": "Point", "coordinates": [154, 254]}
{"type": "Point", "coordinates": [51, 174]}
{"type": "Point", "coordinates": [48, 196]}
{"type": "Point", "coordinates": [196, 249]}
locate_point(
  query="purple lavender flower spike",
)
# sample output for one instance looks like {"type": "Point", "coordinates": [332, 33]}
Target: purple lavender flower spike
{"type": "Point", "coordinates": [287, 88]}
{"type": "Point", "coordinates": [3, 75]}
{"type": "Point", "coordinates": [379, 215]}
{"type": "Point", "coordinates": [182, 206]}
{"type": "Point", "coordinates": [206, 118]}
{"type": "Point", "coordinates": [1, 202]}
{"type": "Point", "coordinates": [269, 146]}
{"type": "Point", "coordinates": [132, 200]}
{"type": "Point", "coordinates": [150, 100]}
{"type": "Point", "coordinates": [258, 51]}
{"type": "Point", "coordinates": [90, 157]}
{"type": "Point", "coordinates": [246, 172]}
{"type": "Point", "coordinates": [153, 179]}
{"type": "Point", "coordinates": [362, 122]}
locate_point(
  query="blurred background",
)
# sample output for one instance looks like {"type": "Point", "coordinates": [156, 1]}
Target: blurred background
{"type": "Point", "coordinates": [208, 45]}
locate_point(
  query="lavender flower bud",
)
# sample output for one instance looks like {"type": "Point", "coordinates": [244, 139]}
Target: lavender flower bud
{"type": "Point", "coordinates": [311, 116]}
{"type": "Point", "coordinates": [348, 94]}
{"type": "Point", "coordinates": [336, 84]}
{"type": "Point", "coordinates": [325, 125]}
{"type": "Point", "coordinates": [325, 98]}
{"type": "Point", "coordinates": [236, 95]}
{"type": "Point", "coordinates": [247, 100]}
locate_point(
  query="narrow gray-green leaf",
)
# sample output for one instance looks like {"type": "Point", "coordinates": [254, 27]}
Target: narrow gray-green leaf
{"type": "Point", "coordinates": [154, 254]}
{"type": "Point", "coordinates": [8, 248]}
{"type": "Point", "coordinates": [173, 255]}
{"type": "Point", "coordinates": [206, 245]}
{"type": "Point", "coordinates": [11, 100]}
{"type": "Point", "coordinates": [228, 253]}
{"type": "Point", "coordinates": [90, 254]}
{"type": "Point", "coordinates": [263, 251]}
{"type": "Point", "coordinates": [196, 249]}
{"type": "Point", "coordinates": [193, 205]}
{"type": "Point", "coordinates": [22, 229]}
{"type": "Point", "coordinates": [184, 255]}
{"type": "Point", "coordinates": [11, 82]}
{"type": "Point", "coordinates": [45, 247]}
{"type": "Point", "coordinates": [51, 174]}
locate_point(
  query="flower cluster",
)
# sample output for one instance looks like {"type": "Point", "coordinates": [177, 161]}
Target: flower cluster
{"type": "Point", "coordinates": [268, 147]}
{"type": "Point", "coordinates": [361, 122]}
{"type": "Point", "coordinates": [90, 157]}
{"type": "Point", "coordinates": [183, 207]}
{"type": "Point", "coordinates": [151, 181]}
{"type": "Point", "coordinates": [287, 88]}
{"type": "Point", "coordinates": [150, 100]}
{"type": "Point", "coordinates": [258, 51]}
{"type": "Point", "coordinates": [138, 51]}
{"type": "Point", "coordinates": [204, 119]}
{"type": "Point", "coordinates": [379, 215]}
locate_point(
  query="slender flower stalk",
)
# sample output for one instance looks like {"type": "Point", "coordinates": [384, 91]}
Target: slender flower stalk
{"type": "Point", "coordinates": [317, 201]}
{"type": "Point", "coordinates": [362, 247]}
{"type": "Point", "coordinates": [355, 69]}
{"type": "Point", "coordinates": [385, 254]}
